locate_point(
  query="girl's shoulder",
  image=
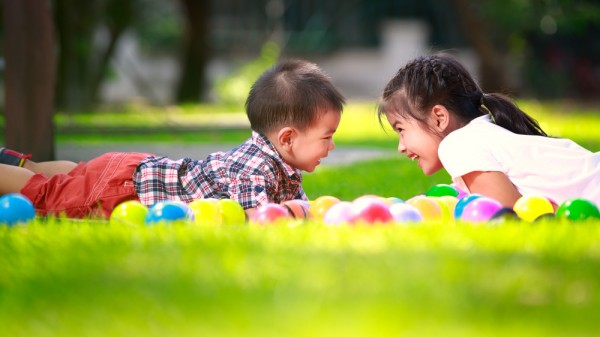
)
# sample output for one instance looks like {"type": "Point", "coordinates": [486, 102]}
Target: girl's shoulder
{"type": "Point", "coordinates": [480, 131]}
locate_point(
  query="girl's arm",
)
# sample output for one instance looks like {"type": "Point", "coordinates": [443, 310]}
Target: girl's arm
{"type": "Point", "coordinates": [493, 184]}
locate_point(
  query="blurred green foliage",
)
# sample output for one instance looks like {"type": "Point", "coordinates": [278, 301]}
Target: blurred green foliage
{"type": "Point", "coordinates": [233, 89]}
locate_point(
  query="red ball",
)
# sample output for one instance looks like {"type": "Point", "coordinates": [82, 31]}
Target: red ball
{"type": "Point", "coordinates": [270, 213]}
{"type": "Point", "coordinates": [372, 211]}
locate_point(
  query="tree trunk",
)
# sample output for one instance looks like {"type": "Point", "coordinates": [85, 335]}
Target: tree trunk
{"type": "Point", "coordinates": [493, 76]}
{"type": "Point", "coordinates": [196, 51]}
{"type": "Point", "coordinates": [29, 76]}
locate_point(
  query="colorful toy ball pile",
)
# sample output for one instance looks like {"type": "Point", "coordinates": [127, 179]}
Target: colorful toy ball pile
{"type": "Point", "coordinates": [442, 204]}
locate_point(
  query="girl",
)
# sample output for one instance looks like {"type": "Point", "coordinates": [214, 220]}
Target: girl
{"type": "Point", "coordinates": [484, 141]}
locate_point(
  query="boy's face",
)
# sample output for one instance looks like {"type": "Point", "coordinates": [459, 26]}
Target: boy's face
{"type": "Point", "coordinates": [312, 144]}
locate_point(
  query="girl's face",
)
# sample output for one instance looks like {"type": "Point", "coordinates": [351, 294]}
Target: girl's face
{"type": "Point", "coordinates": [418, 142]}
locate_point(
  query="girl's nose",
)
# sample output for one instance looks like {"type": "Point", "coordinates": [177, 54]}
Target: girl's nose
{"type": "Point", "coordinates": [401, 147]}
{"type": "Point", "coordinates": [331, 145]}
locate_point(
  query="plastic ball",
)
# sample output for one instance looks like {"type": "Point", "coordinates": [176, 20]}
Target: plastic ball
{"type": "Point", "coordinates": [232, 212]}
{"type": "Point", "coordinates": [270, 213]}
{"type": "Point", "coordinates": [371, 211]}
{"type": "Point", "coordinates": [131, 212]}
{"type": "Point", "coordinates": [297, 208]}
{"type": "Point", "coordinates": [169, 211]}
{"type": "Point", "coordinates": [481, 209]}
{"type": "Point", "coordinates": [339, 214]}
{"type": "Point", "coordinates": [462, 203]}
{"type": "Point", "coordinates": [394, 200]}
{"type": "Point", "coordinates": [530, 207]}
{"type": "Point", "coordinates": [447, 203]}
{"type": "Point", "coordinates": [428, 207]}
{"type": "Point", "coordinates": [505, 214]}
{"type": "Point", "coordinates": [442, 189]}
{"type": "Point", "coordinates": [206, 212]}
{"type": "Point", "coordinates": [15, 208]}
{"type": "Point", "coordinates": [320, 205]}
{"type": "Point", "coordinates": [578, 209]}
{"type": "Point", "coordinates": [405, 213]}
{"type": "Point", "coordinates": [461, 192]}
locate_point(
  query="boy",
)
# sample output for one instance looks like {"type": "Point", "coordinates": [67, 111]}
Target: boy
{"type": "Point", "coordinates": [293, 109]}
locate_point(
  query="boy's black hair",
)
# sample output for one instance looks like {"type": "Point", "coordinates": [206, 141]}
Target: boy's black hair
{"type": "Point", "coordinates": [291, 93]}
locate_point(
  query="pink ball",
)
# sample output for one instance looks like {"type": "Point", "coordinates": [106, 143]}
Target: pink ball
{"type": "Point", "coordinates": [372, 211]}
{"type": "Point", "coordinates": [269, 213]}
{"type": "Point", "coordinates": [481, 209]}
{"type": "Point", "coordinates": [339, 214]}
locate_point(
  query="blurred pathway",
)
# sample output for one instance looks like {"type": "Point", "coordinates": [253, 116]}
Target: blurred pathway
{"type": "Point", "coordinates": [78, 152]}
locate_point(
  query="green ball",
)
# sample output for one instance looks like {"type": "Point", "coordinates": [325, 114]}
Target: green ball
{"type": "Point", "coordinates": [232, 212]}
{"type": "Point", "coordinates": [130, 212]}
{"type": "Point", "coordinates": [440, 190]}
{"type": "Point", "coordinates": [578, 209]}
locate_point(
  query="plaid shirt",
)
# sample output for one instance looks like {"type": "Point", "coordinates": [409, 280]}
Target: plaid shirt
{"type": "Point", "coordinates": [253, 174]}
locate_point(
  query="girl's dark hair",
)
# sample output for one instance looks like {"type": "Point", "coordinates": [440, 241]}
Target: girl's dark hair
{"type": "Point", "coordinates": [441, 79]}
{"type": "Point", "coordinates": [291, 93]}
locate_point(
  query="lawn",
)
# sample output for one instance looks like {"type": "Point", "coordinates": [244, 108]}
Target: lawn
{"type": "Point", "coordinates": [91, 278]}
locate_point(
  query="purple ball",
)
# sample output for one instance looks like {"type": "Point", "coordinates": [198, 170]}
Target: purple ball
{"type": "Point", "coordinates": [403, 213]}
{"type": "Point", "coordinates": [481, 209]}
{"type": "Point", "coordinates": [463, 202]}
{"type": "Point", "coordinates": [339, 214]}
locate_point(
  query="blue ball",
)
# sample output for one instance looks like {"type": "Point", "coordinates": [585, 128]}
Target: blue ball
{"type": "Point", "coordinates": [15, 208]}
{"type": "Point", "coordinates": [169, 211]}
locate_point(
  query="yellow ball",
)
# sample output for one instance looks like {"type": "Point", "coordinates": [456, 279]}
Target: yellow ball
{"type": "Point", "coordinates": [530, 207]}
{"type": "Point", "coordinates": [448, 203]}
{"type": "Point", "coordinates": [206, 212]}
{"type": "Point", "coordinates": [131, 212]}
{"type": "Point", "coordinates": [232, 212]}
{"type": "Point", "coordinates": [429, 208]}
{"type": "Point", "coordinates": [320, 205]}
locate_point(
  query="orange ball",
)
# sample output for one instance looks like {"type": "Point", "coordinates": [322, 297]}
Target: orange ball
{"type": "Point", "coordinates": [430, 209]}
{"type": "Point", "coordinates": [297, 208]}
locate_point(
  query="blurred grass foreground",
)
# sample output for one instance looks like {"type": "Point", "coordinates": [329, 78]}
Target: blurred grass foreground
{"type": "Point", "coordinates": [91, 278]}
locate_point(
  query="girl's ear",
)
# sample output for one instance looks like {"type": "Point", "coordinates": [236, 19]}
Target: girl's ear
{"type": "Point", "coordinates": [440, 117]}
{"type": "Point", "coordinates": [285, 137]}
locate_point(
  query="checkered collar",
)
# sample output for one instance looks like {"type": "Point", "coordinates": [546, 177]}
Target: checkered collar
{"type": "Point", "coordinates": [268, 148]}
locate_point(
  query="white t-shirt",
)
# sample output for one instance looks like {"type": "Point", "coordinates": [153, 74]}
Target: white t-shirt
{"type": "Point", "coordinates": [556, 168]}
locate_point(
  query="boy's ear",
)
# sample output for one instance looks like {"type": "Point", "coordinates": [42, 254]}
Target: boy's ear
{"type": "Point", "coordinates": [285, 137]}
{"type": "Point", "coordinates": [440, 117]}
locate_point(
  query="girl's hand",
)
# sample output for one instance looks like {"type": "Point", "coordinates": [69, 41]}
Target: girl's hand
{"type": "Point", "coordinates": [493, 184]}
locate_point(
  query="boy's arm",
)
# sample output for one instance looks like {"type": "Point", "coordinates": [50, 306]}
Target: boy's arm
{"type": "Point", "coordinates": [492, 184]}
{"type": "Point", "coordinates": [249, 213]}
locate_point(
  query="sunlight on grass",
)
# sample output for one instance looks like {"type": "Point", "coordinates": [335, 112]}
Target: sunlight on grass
{"type": "Point", "coordinates": [359, 125]}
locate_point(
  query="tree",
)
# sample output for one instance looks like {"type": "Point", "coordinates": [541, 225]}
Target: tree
{"type": "Point", "coordinates": [83, 58]}
{"type": "Point", "coordinates": [29, 77]}
{"type": "Point", "coordinates": [195, 52]}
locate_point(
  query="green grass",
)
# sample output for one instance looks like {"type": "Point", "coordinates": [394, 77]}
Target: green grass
{"type": "Point", "coordinates": [91, 278]}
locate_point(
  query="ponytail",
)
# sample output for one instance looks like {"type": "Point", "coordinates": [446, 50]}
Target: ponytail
{"type": "Point", "coordinates": [507, 115]}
